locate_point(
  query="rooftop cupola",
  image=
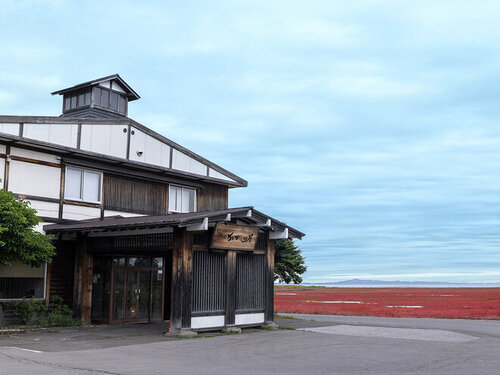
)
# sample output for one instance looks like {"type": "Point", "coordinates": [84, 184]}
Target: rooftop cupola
{"type": "Point", "coordinates": [102, 97]}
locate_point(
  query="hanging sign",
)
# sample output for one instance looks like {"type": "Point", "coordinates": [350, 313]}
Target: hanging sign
{"type": "Point", "coordinates": [234, 237]}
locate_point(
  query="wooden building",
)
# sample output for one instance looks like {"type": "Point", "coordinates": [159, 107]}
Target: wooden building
{"type": "Point", "coordinates": [141, 225]}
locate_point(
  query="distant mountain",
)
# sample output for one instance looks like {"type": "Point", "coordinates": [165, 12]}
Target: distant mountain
{"type": "Point", "coordinates": [422, 284]}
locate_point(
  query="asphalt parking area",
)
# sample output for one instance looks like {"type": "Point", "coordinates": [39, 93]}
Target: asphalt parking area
{"type": "Point", "coordinates": [317, 345]}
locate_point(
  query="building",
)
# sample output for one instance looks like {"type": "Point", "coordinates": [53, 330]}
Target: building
{"type": "Point", "coordinates": [141, 225]}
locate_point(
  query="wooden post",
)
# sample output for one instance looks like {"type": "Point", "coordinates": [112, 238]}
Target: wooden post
{"type": "Point", "coordinates": [6, 169]}
{"type": "Point", "coordinates": [230, 288]}
{"type": "Point", "coordinates": [182, 274]}
{"type": "Point", "coordinates": [269, 308]}
{"type": "Point", "coordinates": [82, 287]}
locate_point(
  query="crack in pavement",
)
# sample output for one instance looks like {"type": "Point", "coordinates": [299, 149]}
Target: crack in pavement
{"type": "Point", "coordinates": [55, 365]}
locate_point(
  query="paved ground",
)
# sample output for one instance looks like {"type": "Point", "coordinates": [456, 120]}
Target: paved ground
{"type": "Point", "coordinates": [315, 345]}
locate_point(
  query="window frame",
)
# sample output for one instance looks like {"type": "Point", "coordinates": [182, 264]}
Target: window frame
{"type": "Point", "coordinates": [79, 102]}
{"type": "Point", "coordinates": [44, 295]}
{"type": "Point", "coordinates": [182, 188]}
{"type": "Point", "coordinates": [82, 184]}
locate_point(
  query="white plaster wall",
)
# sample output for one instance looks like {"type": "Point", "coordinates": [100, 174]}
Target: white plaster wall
{"type": "Point", "coordinates": [104, 139]}
{"type": "Point", "coordinates": [3, 148]}
{"type": "Point", "coordinates": [154, 151]}
{"type": "Point", "coordinates": [48, 209]}
{"type": "Point", "coordinates": [34, 155]}
{"type": "Point", "coordinates": [213, 173]}
{"type": "Point", "coordinates": [124, 214]}
{"type": "Point", "coordinates": [185, 163]}
{"type": "Point", "coordinates": [34, 179]}
{"type": "Point", "coordinates": [207, 321]}
{"type": "Point", "coordinates": [80, 212]}
{"type": "Point", "coordinates": [61, 134]}
{"type": "Point", "coordinates": [105, 84]}
{"type": "Point", "coordinates": [117, 87]}
{"type": "Point", "coordinates": [2, 171]}
{"type": "Point", "coordinates": [241, 319]}
{"type": "Point", "coordinates": [39, 228]}
{"type": "Point", "coordinates": [9, 129]}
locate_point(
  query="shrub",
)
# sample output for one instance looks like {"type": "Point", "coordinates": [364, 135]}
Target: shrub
{"type": "Point", "coordinates": [26, 309]}
{"type": "Point", "coordinates": [60, 315]}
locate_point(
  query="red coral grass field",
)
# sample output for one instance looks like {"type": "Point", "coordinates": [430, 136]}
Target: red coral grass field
{"type": "Point", "coordinates": [465, 303]}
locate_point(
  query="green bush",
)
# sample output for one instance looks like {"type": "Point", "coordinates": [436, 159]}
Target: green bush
{"type": "Point", "coordinates": [26, 309]}
{"type": "Point", "coordinates": [60, 315]}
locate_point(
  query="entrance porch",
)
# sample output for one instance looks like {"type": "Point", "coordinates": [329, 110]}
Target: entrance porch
{"type": "Point", "coordinates": [201, 271]}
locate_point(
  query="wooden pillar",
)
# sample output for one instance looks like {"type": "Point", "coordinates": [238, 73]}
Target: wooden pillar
{"type": "Point", "coordinates": [230, 288]}
{"type": "Point", "coordinates": [269, 309]}
{"type": "Point", "coordinates": [82, 287]}
{"type": "Point", "coordinates": [5, 176]}
{"type": "Point", "coordinates": [182, 283]}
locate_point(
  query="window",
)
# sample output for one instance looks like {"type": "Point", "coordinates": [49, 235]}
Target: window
{"type": "Point", "coordinates": [20, 280]}
{"type": "Point", "coordinates": [108, 99]}
{"type": "Point", "coordinates": [76, 101]}
{"type": "Point", "coordinates": [181, 199]}
{"type": "Point", "coordinates": [82, 185]}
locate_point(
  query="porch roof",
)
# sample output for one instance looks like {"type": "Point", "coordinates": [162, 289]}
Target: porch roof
{"type": "Point", "coordinates": [193, 221]}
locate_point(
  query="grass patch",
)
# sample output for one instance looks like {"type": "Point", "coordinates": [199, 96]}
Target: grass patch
{"type": "Point", "coordinates": [277, 316]}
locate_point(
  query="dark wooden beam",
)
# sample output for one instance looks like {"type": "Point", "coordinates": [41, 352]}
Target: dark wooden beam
{"type": "Point", "coordinates": [230, 288]}
{"type": "Point", "coordinates": [188, 279]}
{"type": "Point", "coordinates": [61, 191]}
{"type": "Point", "coordinates": [180, 316]}
{"type": "Point", "coordinates": [269, 307]}
{"type": "Point", "coordinates": [6, 169]}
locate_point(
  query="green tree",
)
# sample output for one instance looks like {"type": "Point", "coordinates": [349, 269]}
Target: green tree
{"type": "Point", "coordinates": [289, 263]}
{"type": "Point", "coordinates": [18, 239]}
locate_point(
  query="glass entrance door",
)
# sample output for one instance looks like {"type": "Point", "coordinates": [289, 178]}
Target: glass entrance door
{"type": "Point", "coordinates": [138, 289]}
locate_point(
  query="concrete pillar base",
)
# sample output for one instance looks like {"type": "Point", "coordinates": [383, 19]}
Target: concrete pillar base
{"type": "Point", "coordinates": [271, 325]}
{"type": "Point", "coordinates": [184, 332]}
{"type": "Point", "coordinates": [231, 329]}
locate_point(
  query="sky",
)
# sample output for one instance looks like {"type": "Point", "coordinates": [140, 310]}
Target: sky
{"type": "Point", "coordinates": [372, 126]}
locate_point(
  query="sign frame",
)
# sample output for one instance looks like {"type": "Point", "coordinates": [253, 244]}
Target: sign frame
{"type": "Point", "coordinates": [234, 237]}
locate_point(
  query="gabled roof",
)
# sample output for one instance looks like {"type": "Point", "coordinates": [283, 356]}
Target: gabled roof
{"type": "Point", "coordinates": [116, 224]}
{"type": "Point", "coordinates": [131, 94]}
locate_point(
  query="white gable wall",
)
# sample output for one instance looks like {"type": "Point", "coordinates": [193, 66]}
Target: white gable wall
{"type": "Point", "coordinates": [9, 129]}
{"type": "Point", "coordinates": [185, 163]}
{"type": "Point", "coordinates": [106, 84]}
{"type": "Point", "coordinates": [213, 173]}
{"type": "Point", "coordinates": [154, 151]}
{"type": "Point", "coordinates": [60, 134]}
{"type": "Point", "coordinates": [115, 86]}
{"type": "Point", "coordinates": [111, 139]}
{"type": "Point", "coordinates": [104, 139]}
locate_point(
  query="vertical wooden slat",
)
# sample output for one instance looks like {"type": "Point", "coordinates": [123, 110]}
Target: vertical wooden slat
{"type": "Point", "coordinates": [269, 308]}
{"type": "Point", "coordinates": [230, 287]}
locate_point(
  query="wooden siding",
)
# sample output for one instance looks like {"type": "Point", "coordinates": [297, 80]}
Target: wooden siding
{"type": "Point", "coordinates": [250, 282]}
{"type": "Point", "coordinates": [212, 197]}
{"type": "Point", "coordinates": [208, 282]}
{"type": "Point", "coordinates": [133, 195]}
{"type": "Point", "coordinates": [158, 241]}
